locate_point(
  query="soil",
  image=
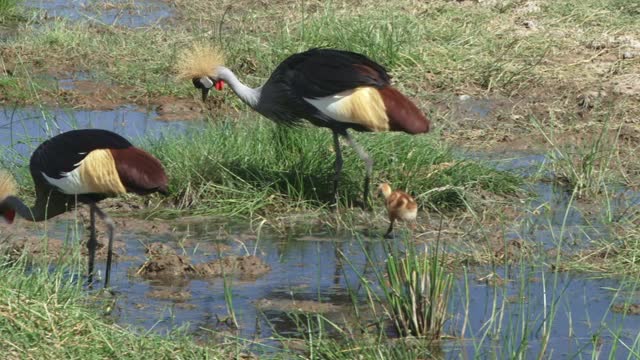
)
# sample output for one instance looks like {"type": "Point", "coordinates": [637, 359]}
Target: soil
{"type": "Point", "coordinates": [246, 267]}
{"type": "Point", "coordinates": [56, 249]}
{"type": "Point", "coordinates": [170, 294]}
{"type": "Point", "coordinates": [630, 309]}
{"type": "Point", "coordinates": [164, 263]}
{"type": "Point", "coordinates": [293, 306]}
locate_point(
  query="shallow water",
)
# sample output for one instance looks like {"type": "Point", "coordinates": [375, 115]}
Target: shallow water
{"type": "Point", "coordinates": [555, 217]}
{"type": "Point", "coordinates": [309, 267]}
{"type": "Point", "coordinates": [23, 129]}
{"type": "Point", "coordinates": [117, 12]}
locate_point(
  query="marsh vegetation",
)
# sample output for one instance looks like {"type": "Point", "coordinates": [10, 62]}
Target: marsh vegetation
{"type": "Point", "coordinates": [527, 238]}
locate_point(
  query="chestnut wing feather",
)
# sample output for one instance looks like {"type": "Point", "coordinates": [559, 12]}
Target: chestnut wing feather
{"type": "Point", "coordinates": [139, 171]}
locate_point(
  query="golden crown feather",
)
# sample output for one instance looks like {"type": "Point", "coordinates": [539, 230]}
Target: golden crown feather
{"type": "Point", "coordinates": [8, 185]}
{"type": "Point", "coordinates": [199, 61]}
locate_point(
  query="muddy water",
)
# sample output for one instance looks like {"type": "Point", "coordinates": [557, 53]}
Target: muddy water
{"type": "Point", "coordinates": [308, 274]}
{"type": "Point", "coordinates": [555, 218]}
{"type": "Point", "coordinates": [23, 129]}
{"type": "Point", "coordinates": [118, 12]}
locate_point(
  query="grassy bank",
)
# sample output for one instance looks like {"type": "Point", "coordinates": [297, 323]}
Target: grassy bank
{"type": "Point", "coordinates": [252, 165]}
{"type": "Point", "coordinates": [47, 315]}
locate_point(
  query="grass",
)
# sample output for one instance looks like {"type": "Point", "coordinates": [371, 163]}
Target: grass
{"type": "Point", "coordinates": [418, 291]}
{"type": "Point", "coordinates": [240, 167]}
{"type": "Point", "coordinates": [47, 315]}
{"type": "Point", "coordinates": [9, 9]}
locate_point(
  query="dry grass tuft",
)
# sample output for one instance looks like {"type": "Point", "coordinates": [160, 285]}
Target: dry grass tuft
{"type": "Point", "coordinates": [201, 60]}
{"type": "Point", "coordinates": [8, 185]}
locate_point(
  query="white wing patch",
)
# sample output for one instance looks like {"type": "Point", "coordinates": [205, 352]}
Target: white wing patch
{"type": "Point", "coordinates": [70, 183]}
{"type": "Point", "coordinates": [95, 174]}
{"type": "Point", "coordinates": [363, 106]}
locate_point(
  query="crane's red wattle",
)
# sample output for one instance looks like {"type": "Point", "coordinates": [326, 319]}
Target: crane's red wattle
{"type": "Point", "coordinates": [219, 85]}
{"type": "Point", "coordinates": [9, 215]}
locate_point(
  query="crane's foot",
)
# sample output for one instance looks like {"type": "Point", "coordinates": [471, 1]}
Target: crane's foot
{"type": "Point", "coordinates": [389, 235]}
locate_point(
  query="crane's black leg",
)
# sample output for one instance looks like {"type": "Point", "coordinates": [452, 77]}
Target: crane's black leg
{"type": "Point", "coordinates": [389, 230]}
{"type": "Point", "coordinates": [92, 243]}
{"type": "Point", "coordinates": [336, 177]}
{"type": "Point", "coordinates": [110, 228]}
{"type": "Point", "coordinates": [368, 164]}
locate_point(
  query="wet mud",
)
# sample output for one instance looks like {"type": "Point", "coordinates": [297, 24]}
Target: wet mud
{"type": "Point", "coordinates": [627, 309]}
{"type": "Point", "coordinates": [164, 263]}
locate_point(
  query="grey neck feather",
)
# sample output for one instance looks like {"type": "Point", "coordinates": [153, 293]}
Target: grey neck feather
{"type": "Point", "coordinates": [31, 214]}
{"type": "Point", "coordinates": [36, 213]}
{"type": "Point", "coordinates": [249, 95]}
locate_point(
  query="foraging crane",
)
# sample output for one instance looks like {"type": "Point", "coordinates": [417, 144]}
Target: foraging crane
{"type": "Point", "coordinates": [88, 165]}
{"type": "Point", "coordinates": [336, 89]}
{"type": "Point", "coordinates": [400, 206]}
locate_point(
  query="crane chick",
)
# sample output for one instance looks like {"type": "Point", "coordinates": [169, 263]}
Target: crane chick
{"type": "Point", "coordinates": [400, 206]}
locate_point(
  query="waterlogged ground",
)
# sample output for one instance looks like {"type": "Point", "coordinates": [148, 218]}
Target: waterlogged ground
{"type": "Point", "coordinates": [166, 276]}
{"type": "Point", "coordinates": [22, 129]}
{"type": "Point", "coordinates": [120, 12]}
{"type": "Point", "coordinates": [305, 269]}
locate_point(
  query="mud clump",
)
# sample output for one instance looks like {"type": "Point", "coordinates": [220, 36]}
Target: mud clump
{"type": "Point", "coordinates": [244, 266]}
{"type": "Point", "coordinates": [626, 309]}
{"type": "Point", "coordinates": [297, 306]}
{"type": "Point", "coordinates": [55, 249]}
{"type": "Point", "coordinates": [512, 251]}
{"type": "Point", "coordinates": [164, 262]}
{"type": "Point", "coordinates": [35, 247]}
{"type": "Point", "coordinates": [169, 294]}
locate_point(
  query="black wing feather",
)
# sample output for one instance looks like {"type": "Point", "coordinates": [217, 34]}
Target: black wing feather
{"type": "Point", "coordinates": [312, 74]}
{"type": "Point", "coordinates": [324, 72]}
{"type": "Point", "coordinates": [62, 152]}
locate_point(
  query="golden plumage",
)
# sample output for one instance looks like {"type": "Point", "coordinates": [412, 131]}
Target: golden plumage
{"type": "Point", "coordinates": [8, 185]}
{"type": "Point", "coordinates": [400, 206]}
{"type": "Point", "coordinates": [199, 61]}
{"type": "Point", "coordinates": [98, 171]}
{"type": "Point", "coordinates": [366, 107]}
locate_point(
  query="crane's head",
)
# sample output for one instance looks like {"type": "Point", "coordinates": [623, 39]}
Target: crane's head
{"type": "Point", "coordinates": [384, 190]}
{"type": "Point", "coordinates": [200, 64]}
{"type": "Point", "coordinates": [7, 188]}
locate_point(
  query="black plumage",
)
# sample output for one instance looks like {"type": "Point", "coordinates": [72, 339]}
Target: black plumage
{"type": "Point", "coordinates": [331, 88]}
{"type": "Point", "coordinates": [62, 179]}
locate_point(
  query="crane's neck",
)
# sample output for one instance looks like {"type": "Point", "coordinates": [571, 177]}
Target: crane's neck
{"type": "Point", "coordinates": [249, 95]}
{"type": "Point", "coordinates": [38, 212]}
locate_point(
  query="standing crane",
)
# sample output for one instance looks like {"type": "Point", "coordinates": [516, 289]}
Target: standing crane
{"type": "Point", "coordinates": [335, 89]}
{"type": "Point", "coordinates": [83, 166]}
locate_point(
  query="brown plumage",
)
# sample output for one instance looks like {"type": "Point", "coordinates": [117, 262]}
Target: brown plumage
{"type": "Point", "coordinates": [400, 206]}
{"type": "Point", "coordinates": [83, 166]}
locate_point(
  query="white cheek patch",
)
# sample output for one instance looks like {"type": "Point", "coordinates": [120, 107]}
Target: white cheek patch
{"type": "Point", "coordinates": [206, 82]}
{"type": "Point", "coordinates": [70, 183]}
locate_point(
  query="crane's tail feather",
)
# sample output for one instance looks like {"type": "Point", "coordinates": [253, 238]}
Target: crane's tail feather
{"type": "Point", "coordinates": [199, 61]}
{"type": "Point", "coordinates": [8, 185]}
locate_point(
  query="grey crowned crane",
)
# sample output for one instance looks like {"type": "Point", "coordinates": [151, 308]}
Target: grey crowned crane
{"type": "Point", "coordinates": [335, 89]}
{"type": "Point", "coordinates": [88, 165]}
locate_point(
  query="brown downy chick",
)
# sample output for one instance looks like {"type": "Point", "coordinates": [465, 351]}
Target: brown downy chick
{"type": "Point", "coordinates": [400, 206]}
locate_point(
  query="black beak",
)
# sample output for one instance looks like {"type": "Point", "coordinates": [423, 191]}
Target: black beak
{"type": "Point", "coordinates": [205, 92]}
